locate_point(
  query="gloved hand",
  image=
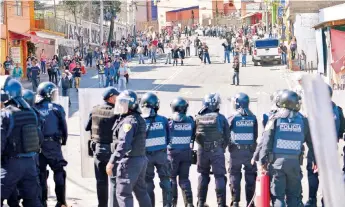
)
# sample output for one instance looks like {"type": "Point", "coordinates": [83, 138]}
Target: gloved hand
{"type": "Point", "coordinates": [63, 141]}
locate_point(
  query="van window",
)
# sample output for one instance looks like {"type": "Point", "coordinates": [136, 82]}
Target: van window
{"type": "Point", "coordinates": [273, 43]}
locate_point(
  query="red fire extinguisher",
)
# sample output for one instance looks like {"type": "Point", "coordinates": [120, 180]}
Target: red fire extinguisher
{"type": "Point", "coordinates": [262, 191]}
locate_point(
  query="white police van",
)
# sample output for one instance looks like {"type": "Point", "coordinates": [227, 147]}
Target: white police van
{"type": "Point", "coordinates": [266, 51]}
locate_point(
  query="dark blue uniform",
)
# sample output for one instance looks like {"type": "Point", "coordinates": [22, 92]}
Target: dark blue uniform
{"type": "Point", "coordinates": [55, 134]}
{"type": "Point", "coordinates": [35, 75]}
{"type": "Point", "coordinates": [244, 132]}
{"type": "Point", "coordinates": [313, 178]}
{"type": "Point", "coordinates": [182, 134]}
{"type": "Point", "coordinates": [282, 148]}
{"type": "Point", "coordinates": [130, 160]}
{"type": "Point", "coordinates": [212, 135]}
{"type": "Point", "coordinates": [156, 151]}
{"type": "Point", "coordinates": [100, 123]}
{"type": "Point", "coordinates": [18, 155]}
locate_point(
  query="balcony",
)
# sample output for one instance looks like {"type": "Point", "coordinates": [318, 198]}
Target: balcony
{"type": "Point", "coordinates": [51, 24]}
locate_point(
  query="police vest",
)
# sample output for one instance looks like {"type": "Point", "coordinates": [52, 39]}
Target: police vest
{"type": "Point", "coordinates": [139, 140]}
{"type": "Point", "coordinates": [51, 114]}
{"type": "Point", "coordinates": [208, 128]}
{"type": "Point", "coordinates": [102, 124]}
{"type": "Point", "coordinates": [181, 134]}
{"type": "Point", "coordinates": [337, 119]}
{"type": "Point", "coordinates": [156, 133]}
{"type": "Point", "coordinates": [242, 129]}
{"type": "Point", "coordinates": [25, 135]}
{"type": "Point", "coordinates": [289, 136]}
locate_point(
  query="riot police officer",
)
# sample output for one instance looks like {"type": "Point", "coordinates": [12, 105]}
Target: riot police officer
{"type": "Point", "coordinates": [313, 178]}
{"type": "Point", "coordinates": [20, 143]}
{"type": "Point", "coordinates": [182, 135]}
{"type": "Point", "coordinates": [157, 131]}
{"type": "Point", "coordinates": [128, 161]}
{"type": "Point", "coordinates": [100, 123]}
{"type": "Point", "coordinates": [55, 134]}
{"type": "Point", "coordinates": [274, 98]}
{"type": "Point", "coordinates": [283, 138]}
{"type": "Point", "coordinates": [244, 132]}
{"type": "Point", "coordinates": [212, 136]}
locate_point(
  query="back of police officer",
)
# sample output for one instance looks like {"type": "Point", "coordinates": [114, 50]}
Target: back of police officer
{"type": "Point", "coordinates": [244, 132]}
{"type": "Point", "coordinates": [313, 178]}
{"type": "Point", "coordinates": [20, 143]}
{"type": "Point", "coordinates": [100, 123]}
{"type": "Point", "coordinates": [128, 162]}
{"type": "Point", "coordinates": [282, 150]}
{"type": "Point", "coordinates": [157, 130]}
{"type": "Point", "coordinates": [212, 136]}
{"type": "Point", "coordinates": [182, 135]}
{"type": "Point", "coordinates": [55, 134]}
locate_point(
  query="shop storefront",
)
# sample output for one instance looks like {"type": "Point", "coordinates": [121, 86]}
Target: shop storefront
{"type": "Point", "coordinates": [17, 48]}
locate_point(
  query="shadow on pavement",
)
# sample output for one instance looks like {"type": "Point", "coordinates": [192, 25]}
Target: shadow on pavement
{"type": "Point", "coordinates": [251, 85]}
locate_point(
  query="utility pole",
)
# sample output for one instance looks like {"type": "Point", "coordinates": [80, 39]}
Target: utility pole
{"type": "Point", "coordinates": [54, 9]}
{"type": "Point", "coordinates": [266, 16]}
{"type": "Point", "coordinates": [102, 20]}
{"type": "Point", "coordinates": [134, 9]}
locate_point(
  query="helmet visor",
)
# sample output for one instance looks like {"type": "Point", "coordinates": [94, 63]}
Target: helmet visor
{"type": "Point", "coordinates": [54, 97]}
{"type": "Point", "coordinates": [147, 112]}
{"type": "Point", "coordinates": [122, 104]}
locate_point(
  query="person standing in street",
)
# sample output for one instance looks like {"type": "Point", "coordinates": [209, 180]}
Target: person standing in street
{"type": "Point", "coordinates": [182, 135]}
{"type": "Point", "coordinates": [100, 123]}
{"type": "Point", "coordinates": [236, 75]}
{"type": "Point", "coordinates": [77, 75]}
{"type": "Point", "coordinates": [65, 86]}
{"type": "Point", "coordinates": [35, 75]}
{"type": "Point", "coordinates": [55, 134]}
{"type": "Point", "coordinates": [212, 136]}
{"type": "Point", "coordinates": [206, 54]}
{"type": "Point", "coordinates": [187, 44]}
{"type": "Point", "coordinates": [109, 74]}
{"type": "Point", "coordinates": [157, 133]}
{"type": "Point", "coordinates": [89, 56]}
{"type": "Point", "coordinates": [244, 132]}
{"type": "Point", "coordinates": [43, 59]}
{"type": "Point", "coordinates": [101, 75]}
{"type": "Point", "coordinates": [244, 56]}
{"type": "Point", "coordinates": [8, 65]}
{"type": "Point", "coordinates": [227, 49]}
{"type": "Point", "coordinates": [128, 163]}
{"type": "Point", "coordinates": [140, 51]}
{"type": "Point", "coordinates": [17, 72]}
{"type": "Point", "coordinates": [196, 45]}
{"type": "Point", "coordinates": [122, 77]}
{"type": "Point", "coordinates": [169, 54]}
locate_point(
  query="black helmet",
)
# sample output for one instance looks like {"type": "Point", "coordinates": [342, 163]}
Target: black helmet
{"type": "Point", "coordinates": [289, 100]}
{"type": "Point", "coordinates": [126, 102]}
{"type": "Point", "coordinates": [11, 87]}
{"type": "Point", "coordinates": [149, 104]}
{"type": "Point", "coordinates": [179, 105]}
{"type": "Point", "coordinates": [241, 101]}
{"type": "Point", "coordinates": [212, 101]}
{"type": "Point", "coordinates": [330, 90]}
{"type": "Point", "coordinates": [47, 91]}
{"type": "Point", "coordinates": [109, 92]}
{"type": "Point", "coordinates": [29, 97]}
{"type": "Point", "coordinates": [276, 96]}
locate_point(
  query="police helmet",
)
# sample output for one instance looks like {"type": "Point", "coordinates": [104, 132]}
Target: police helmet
{"type": "Point", "coordinates": [29, 97]}
{"type": "Point", "coordinates": [330, 90]}
{"type": "Point", "coordinates": [179, 105]}
{"type": "Point", "coordinates": [126, 102]}
{"type": "Point", "coordinates": [276, 96]}
{"type": "Point", "coordinates": [212, 101]}
{"type": "Point", "coordinates": [47, 91]}
{"type": "Point", "coordinates": [289, 100]}
{"type": "Point", "coordinates": [149, 104]}
{"type": "Point", "coordinates": [11, 87]}
{"type": "Point", "coordinates": [241, 100]}
{"type": "Point", "coordinates": [109, 92]}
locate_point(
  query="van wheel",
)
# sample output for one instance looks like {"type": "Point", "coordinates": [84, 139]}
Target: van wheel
{"type": "Point", "coordinates": [256, 63]}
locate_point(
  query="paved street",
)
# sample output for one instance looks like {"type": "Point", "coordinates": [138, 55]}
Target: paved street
{"type": "Point", "coordinates": [192, 81]}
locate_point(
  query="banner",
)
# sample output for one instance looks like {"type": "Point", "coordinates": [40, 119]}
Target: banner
{"type": "Point", "coordinates": [338, 57]}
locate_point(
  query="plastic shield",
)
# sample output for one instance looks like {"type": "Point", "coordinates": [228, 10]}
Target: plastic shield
{"type": "Point", "coordinates": [263, 105]}
{"type": "Point", "coordinates": [63, 101]}
{"type": "Point", "coordinates": [88, 98]}
{"type": "Point", "coordinates": [321, 119]}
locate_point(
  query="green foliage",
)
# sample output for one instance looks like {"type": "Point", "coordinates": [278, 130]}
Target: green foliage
{"type": "Point", "coordinates": [38, 4]}
{"type": "Point", "coordinates": [111, 6]}
{"type": "Point", "coordinates": [31, 47]}
{"type": "Point", "coordinates": [75, 7]}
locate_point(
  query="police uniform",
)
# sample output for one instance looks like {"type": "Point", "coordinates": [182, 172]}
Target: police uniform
{"type": "Point", "coordinates": [181, 136]}
{"type": "Point", "coordinates": [130, 160]}
{"type": "Point", "coordinates": [20, 143]}
{"type": "Point", "coordinates": [157, 128]}
{"type": "Point", "coordinates": [100, 123]}
{"type": "Point", "coordinates": [55, 134]}
{"type": "Point", "coordinates": [313, 178]}
{"type": "Point", "coordinates": [244, 132]}
{"type": "Point", "coordinates": [282, 148]}
{"type": "Point", "coordinates": [212, 136]}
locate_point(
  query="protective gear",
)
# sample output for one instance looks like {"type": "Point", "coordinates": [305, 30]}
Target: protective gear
{"type": "Point", "coordinates": [289, 135]}
{"type": "Point", "coordinates": [242, 132]}
{"type": "Point", "coordinates": [102, 123]}
{"type": "Point", "coordinates": [4, 97]}
{"type": "Point", "coordinates": [181, 134]}
{"type": "Point", "coordinates": [241, 100]}
{"type": "Point", "coordinates": [330, 90]}
{"type": "Point", "coordinates": [47, 91]}
{"type": "Point", "coordinates": [149, 104]}
{"type": "Point", "coordinates": [127, 101]}
{"type": "Point", "coordinates": [179, 105]}
{"type": "Point", "coordinates": [337, 119]}
{"type": "Point", "coordinates": [212, 102]}
{"type": "Point", "coordinates": [11, 86]}
{"type": "Point", "coordinates": [109, 92]}
{"type": "Point", "coordinates": [289, 100]}
{"type": "Point", "coordinates": [29, 97]}
{"type": "Point", "coordinates": [208, 128]}
{"type": "Point", "coordinates": [156, 133]}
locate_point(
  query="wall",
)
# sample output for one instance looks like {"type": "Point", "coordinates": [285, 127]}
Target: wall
{"type": "Point", "coordinates": [19, 24]}
{"type": "Point", "coordinates": [141, 13]}
{"type": "Point", "coordinates": [205, 10]}
{"type": "Point", "coordinates": [332, 13]}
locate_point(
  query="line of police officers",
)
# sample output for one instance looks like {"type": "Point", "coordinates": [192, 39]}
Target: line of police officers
{"type": "Point", "coordinates": [32, 132]}
{"type": "Point", "coordinates": [144, 140]}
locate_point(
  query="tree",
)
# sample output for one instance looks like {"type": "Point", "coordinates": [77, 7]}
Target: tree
{"type": "Point", "coordinates": [38, 5]}
{"type": "Point", "coordinates": [76, 8]}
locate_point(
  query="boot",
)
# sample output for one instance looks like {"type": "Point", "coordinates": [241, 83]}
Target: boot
{"type": "Point", "coordinates": [174, 194]}
{"type": "Point", "coordinates": [60, 191]}
{"type": "Point", "coordinates": [235, 204]}
{"type": "Point", "coordinates": [221, 198]}
{"type": "Point", "coordinates": [311, 202]}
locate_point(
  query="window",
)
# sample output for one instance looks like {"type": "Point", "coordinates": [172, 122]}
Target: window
{"type": "Point", "coordinates": [18, 8]}
{"type": "Point", "coordinates": [2, 12]}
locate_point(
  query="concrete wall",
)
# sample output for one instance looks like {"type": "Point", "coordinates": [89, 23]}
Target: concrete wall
{"type": "Point", "coordinates": [19, 24]}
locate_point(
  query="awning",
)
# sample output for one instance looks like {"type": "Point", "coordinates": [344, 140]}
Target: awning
{"type": "Point", "coordinates": [249, 15]}
{"type": "Point", "coordinates": [330, 23]}
{"type": "Point", "coordinates": [19, 36]}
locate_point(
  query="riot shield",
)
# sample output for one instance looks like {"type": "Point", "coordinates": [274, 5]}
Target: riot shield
{"type": "Point", "coordinates": [88, 98]}
{"type": "Point", "coordinates": [263, 105]}
{"type": "Point", "coordinates": [321, 121]}
{"type": "Point", "coordinates": [63, 101]}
